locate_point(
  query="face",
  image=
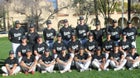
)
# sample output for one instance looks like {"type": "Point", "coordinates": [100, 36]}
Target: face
{"type": "Point", "coordinates": [32, 29]}
{"type": "Point", "coordinates": [115, 24]}
{"type": "Point", "coordinates": [98, 51]}
{"type": "Point", "coordinates": [98, 27]}
{"type": "Point", "coordinates": [90, 37]}
{"type": "Point", "coordinates": [59, 38]}
{"type": "Point", "coordinates": [11, 55]}
{"type": "Point", "coordinates": [66, 24]}
{"type": "Point", "coordinates": [63, 51]}
{"type": "Point", "coordinates": [73, 37]}
{"type": "Point", "coordinates": [133, 50]}
{"type": "Point", "coordinates": [116, 49]}
{"type": "Point", "coordinates": [18, 25]}
{"type": "Point", "coordinates": [39, 40]}
{"type": "Point", "coordinates": [28, 53]}
{"type": "Point", "coordinates": [108, 36]}
{"type": "Point", "coordinates": [24, 40]}
{"type": "Point", "coordinates": [47, 53]}
{"type": "Point", "coordinates": [49, 25]}
{"type": "Point", "coordinates": [124, 36]}
{"type": "Point", "coordinates": [129, 25]}
{"type": "Point", "coordinates": [81, 51]}
{"type": "Point", "coordinates": [81, 21]}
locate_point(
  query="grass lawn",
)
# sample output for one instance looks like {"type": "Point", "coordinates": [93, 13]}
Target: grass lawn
{"type": "Point", "coordinates": [5, 46]}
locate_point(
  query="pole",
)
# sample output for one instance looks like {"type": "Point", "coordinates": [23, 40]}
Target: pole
{"type": "Point", "coordinates": [129, 9]}
{"type": "Point", "coordinates": [122, 13]}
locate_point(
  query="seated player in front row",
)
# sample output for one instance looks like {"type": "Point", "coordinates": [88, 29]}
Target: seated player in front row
{"type": "Point", "coordinates": [28, 63]}
{"type": "Point", "coordinates": [64, 61]}
{"type": "Point", "coordinates": [46, 62]}
{"type": "Point", "coordinates": [82, 60]}
{"type": "Point", "coordinates": [11, 65]}
{"type": "Point", "coordinates": [133, 59]}
{"type": "Point", "coordinates": [99, 61]}
{"type": "Point", "coordinates": [117, 58]}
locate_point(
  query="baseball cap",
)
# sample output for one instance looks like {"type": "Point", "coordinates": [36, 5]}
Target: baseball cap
{"type": "Point", "coordinates": [48, 22]}
{"type": "Point", "coordinates": [47, 50]}
{"type": "Point", "coordinates": [133, 47]}
{"type": "Point", "coordinates": [31, 25]}
{"type": "Point", "coordinates": [64, 48]}
{"type": "Point", "coordinates": [114, 21]}
{"type": "Point", "coordinates": [116, 44]}
{"type": "Point", "coordinates": [39, 36]}
{"type": "Point", "coordinates": [108, 33]}
{"type": "Point", "coordinates": [11, 52]}
{"type": "Point", "coordinates": [128, 22]}
{"type": "Point", "coordinates": [73, 34]}
{"type": "Point", "coordinates": [97, 23]}
{"type": "Point", "coordinates": [98, 48]}
{"type": "Point", "coordinates": [24, 37]}
{"type": "Point", "coordinates": [81, 18]}
{"type": "Point", "coordinates": [65, 20]}
{"type": "Point", "coordinates": [90, 34]}
{"type": "Point", "coordinates": [124, 33]}
{"type": "Point", "coordinates": [29, 50]}
{"type": "Point", "coordinates": [81, 48]}
{"type": "Point", "coordinates": [59, 35]}
{"type": "Point", "coordinates": [17, 22]}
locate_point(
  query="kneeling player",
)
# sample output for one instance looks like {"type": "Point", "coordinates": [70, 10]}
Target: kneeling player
{"type": "Point", "coordinates": [11, 65]}
{"type": "Point", "coordinates": [64, 61]}
{"type": "Point", "coordinates": [82, 60]}
{"type": "Point", "coordinates": [28, 63]}
{"type": "Point", "coordinates": [46, 62]}
{"type": "Point", "coordinates": [133, 59]}
{"type": "Point", "coordinates": [117, 59]}
{"type": "Point", "coordinates": [99, 61]}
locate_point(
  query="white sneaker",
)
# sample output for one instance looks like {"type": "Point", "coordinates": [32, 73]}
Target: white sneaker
{"type": "Point", "coordinates": [62, 71]}
{"type": "Point", "coordinates": [4, 74]}
{"type": "Point", "coordinates": [43, 72]}
{"type": "Point", "coordinates": [106, 69]}
{"type": "Point", "coordinates": [116, 69]}
{"type": "Point", "coordinates": [69, 70]}
{"type": "Point", "coordinates": [81, 70]}
{"type": "Point", "coordinates": [123, 68]}
{"type": "Point", "coordinates": [52, 71]}
{"type": "Point", "coordinates": [99, 69]}
{"type": "Point", "coordinates": [130, 68]}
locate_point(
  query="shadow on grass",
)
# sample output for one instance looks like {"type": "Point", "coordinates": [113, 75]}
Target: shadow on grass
{"type": "Point", "coordinates": [1, 64]}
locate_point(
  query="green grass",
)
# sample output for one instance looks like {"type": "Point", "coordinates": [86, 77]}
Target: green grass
{"type": "Point", "coordinates": [5, 46]}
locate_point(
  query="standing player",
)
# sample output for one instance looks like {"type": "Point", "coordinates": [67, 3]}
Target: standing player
{"type": "Point", "coordinates": [124, 44]}
{"type": "Point", "coordinates": [57, 47]}
{"type": "Point", "coordinates": [131, 33]}
{"type": "Point", "coordinates": [82, 60]}
{"type": "Point", "coordinates": [91, 44]}
{"type": "Point", "coordinates": [74, 44]}
{"type": "Point", "coordinates": [64, 60]}
{"type": "Point", "coordinates": [28, 63]}
{"type": "Point", "coordinates": [22, 49]}
{"type": "Point", "coordinates": [108, 45]}
{"type": "Point", "coordinates": [99, 61]}
{"type": "Point", "coordinates": [82, 30]}
{"type": "Point", "coordinates": [98, 34]}
{"type": "Point", "coordinates": [133, 59]}
{"type": "Point", "coordinates": [11, 65]}
{"type": "Point", "coordinates": [15, 35]}
{"type": "Point", "coordinates": [66, 31]}
{"type": "Point", "coordinates": [115, 32]}
{"type": "Point", "coordinates": [32, 35]}
{"type": "Point", "coordinates": [40, 47]}
{"type": "Point", "coordinates": [117, 59]}
{"type": "Point", "coordinates": [49, 34]}
{"type": "Point", "coordinates": [47, 62]}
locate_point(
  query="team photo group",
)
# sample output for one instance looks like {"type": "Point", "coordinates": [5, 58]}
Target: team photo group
{"type": "Point", "coordinates": [79, 48]}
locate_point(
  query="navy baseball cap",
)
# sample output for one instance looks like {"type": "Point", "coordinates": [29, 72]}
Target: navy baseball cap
{"type": "Point", "coordinates": [59, 35]}
{"type": "Point", "coordinates": [97, 23]}
{"type": "Point", "coordinates": [32, 25]}
{"type": "Point", "coordinates": [47, 50]}
{"type": "Point", "coordinates": [64, 48]}
{"type": "Point", "coordinates": [116, 44]}
{"type": "Point", "coordinates": [39, 36]}
{"type": "Point", "coordinates": [128, 22]}
{"type": "Point", "coordinates": [81, 18]}
{"type": "Point", "coordinates": [133, 47]}
{"type": "Point", "coordinates": [124, 33]}
{"type": "Point", "coordinates": [24, 37]}
{"type": "Point", "coordinates": [114, 21]}
{"type": "Point", "coordinates": [65, 20]}
{"type": "Point", "coordinates": [81, 48]}
{"type": "Point", "coordinates": [29, 50]}
{"type": "Point", "coordinates": [98, 48]}
{"type": "Point", "coordinates": [17, 22]}
{"type": "Point", "coordinates": [108, 33]}
{"type": "Point", "coordinates": [73, 34]}
{"type": "Point", "coordinates": [48, 22]}
{"type": "Point", "coordinates": [90, 34]}
{"type": "Point", "coordinates": [11, 52]}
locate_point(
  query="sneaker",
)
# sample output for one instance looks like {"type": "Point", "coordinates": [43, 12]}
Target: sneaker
{"type": "Point", "coordinates": [123, 68]}
{"type": "Point", "coordinates": [43, 72]}
{"type": "Point", "coordinates": [99, 69]}
{"type": "Point", "coordinates": [116, 69]}
{"type": "Point", "coordinates": [62, 71]}
{"type": "Point", "coordinates": [106, 69]}
{"type": "Point", "coordinates": [81, 70]}
{"type": "Point", "coordinates": [130, 68]}
{"type": "Point", "coordinates": [52, 71]}
{"type": "Point", "coordinates": [4, 74]}
{"type": "Point", "coordinates": [69, 70]}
